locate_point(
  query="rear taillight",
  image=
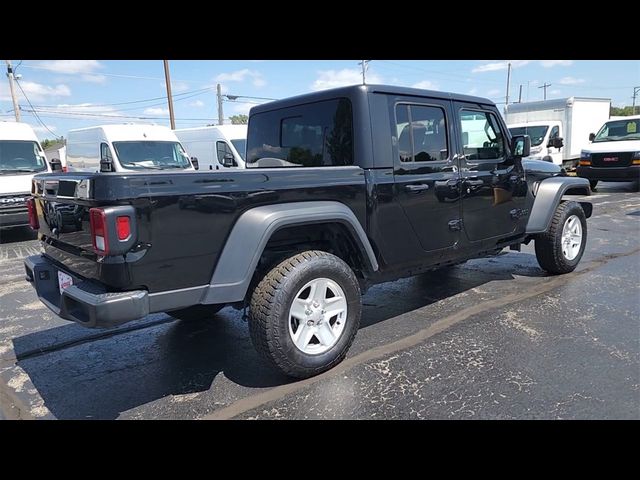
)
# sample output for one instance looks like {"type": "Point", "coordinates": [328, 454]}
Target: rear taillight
{"type": "Point", "coordinates": [99, 236]}
{"type": "Point", "coordinates": [33, 214]}
{"type": "Point", "coordinates": [123, 227]}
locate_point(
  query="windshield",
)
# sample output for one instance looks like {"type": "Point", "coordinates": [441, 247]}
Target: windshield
{"type": "Point", "coordinates": [151, 155]}
{"type": "Point", "coordinates": [619, 130]}
{"type": "Point", "coordinates": [537, 133]}
{"type": "Point", "coordinates": [17, 156]}
{"type": "Point", "coordinates": [240, 145]}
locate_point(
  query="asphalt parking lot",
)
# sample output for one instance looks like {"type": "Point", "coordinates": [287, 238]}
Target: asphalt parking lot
{"type": "Point", "coordinates": [491, 339]}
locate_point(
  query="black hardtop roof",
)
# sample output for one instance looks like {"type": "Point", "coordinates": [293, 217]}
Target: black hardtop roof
{"type": "Point", "coordinates": [355, 90]}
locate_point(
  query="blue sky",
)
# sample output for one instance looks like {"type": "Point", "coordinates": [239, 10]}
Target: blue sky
{"type": "Point", "coordinates": [78, 93]}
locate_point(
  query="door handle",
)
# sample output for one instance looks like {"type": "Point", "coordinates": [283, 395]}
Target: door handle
{"type": "Point", "coordinates": [421, 187]}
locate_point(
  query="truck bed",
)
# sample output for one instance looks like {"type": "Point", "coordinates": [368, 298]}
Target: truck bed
{"type": "Point", "coordinates": [183, 219]}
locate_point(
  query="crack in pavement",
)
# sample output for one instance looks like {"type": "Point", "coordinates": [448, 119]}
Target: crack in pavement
{"type": "Point", "coordinates": [549, 283]}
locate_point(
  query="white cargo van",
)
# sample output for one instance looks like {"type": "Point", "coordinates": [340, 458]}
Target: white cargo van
{"type": "Point", "coordinates": [125, 148]}
{"type": "Point", "coordinates": [21, 157]}
{"type": "Point", "coordinates": [216, 147]}
{"type": "Point", "coordinates": [559, 129]}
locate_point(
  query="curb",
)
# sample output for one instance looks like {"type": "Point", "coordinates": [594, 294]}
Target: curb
{"type": "Point", "coordinates": [19, 398]}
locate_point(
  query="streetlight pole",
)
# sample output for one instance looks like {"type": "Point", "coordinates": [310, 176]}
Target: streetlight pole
{"type": "Point", "coordinates": [16, 108]}
{"type": "Point", "coordinates": [169, 97]}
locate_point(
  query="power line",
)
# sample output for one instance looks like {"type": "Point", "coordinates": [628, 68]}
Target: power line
{"type": "Point", "coordinates": [34, 112]}
{"type": "Point", "coordinates": [202, 90]}
{"type": "Point", "coordinates": [40, 67]}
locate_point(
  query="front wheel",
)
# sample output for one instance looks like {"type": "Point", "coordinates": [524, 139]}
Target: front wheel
{"type": "Point", "coordinates": [305, 313]}
{"type": "Point", "coordinates": [560, 248]}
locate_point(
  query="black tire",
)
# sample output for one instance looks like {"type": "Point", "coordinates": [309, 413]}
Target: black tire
{"type": "Point", "coordinates": [593, 184]}
{"type": "Point", "coordinates": [196, 312]}
{"type": "Point", "coordinates": [269, 312]}
{"type": "Point", "coordinates": [549, 244]}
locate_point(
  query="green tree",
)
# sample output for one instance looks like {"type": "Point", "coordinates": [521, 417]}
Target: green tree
{"type": "Point", "coordinates": [621, 111]}
{"type": "Point", "coordinates": [239, 119]}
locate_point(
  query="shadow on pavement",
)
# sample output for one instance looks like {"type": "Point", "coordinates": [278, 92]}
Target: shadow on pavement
{"type": "Point", "coordinates": [102, 378]}
{"type": "Point", "coordinates": [17, 234]}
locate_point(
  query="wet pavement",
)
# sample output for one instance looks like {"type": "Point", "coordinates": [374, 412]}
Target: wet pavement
{"type": "Point", "coordinates": [493, 338]}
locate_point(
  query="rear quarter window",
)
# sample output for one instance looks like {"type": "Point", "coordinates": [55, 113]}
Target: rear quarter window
{"type": "Point", "coordinates": [318, 134]}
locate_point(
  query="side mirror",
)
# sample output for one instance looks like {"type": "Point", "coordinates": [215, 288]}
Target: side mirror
{"type": "Point", "coordinates": [521, 145]}
{"type": "Point", "coordinates": [106, 165]}
{"type": "Point", "coordinates": [228, 160]}
{"type": "Point", "coordinates": [195, 163]}
{"type": "Point", "coordinates": [56, 165]}
{"type": "Point", "coordinates": [592, 137]}
{"type": "Point", "coordinates": [556, 142]}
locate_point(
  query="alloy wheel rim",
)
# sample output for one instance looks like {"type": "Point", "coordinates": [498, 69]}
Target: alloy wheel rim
{"type": "Point", "coordinates": [571, 237]}
{"type": "Point", "coordinates": [317, 316]}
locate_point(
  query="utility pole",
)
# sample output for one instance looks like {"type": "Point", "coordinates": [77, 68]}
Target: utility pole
{"type": "Point", "coordinates": [169, 97]}
{"type": "Point", "coordinates": [506, 99]}
{"type": "Point", "coordinates": [545, 85]}
{"type": "Point", "coordinates": [16, 108]}
{"type": "Point", "coordinates": [364, 70]}
{"type": "Point", "coordinates": [520, 95]}
{"type": "Point", "coordinates": [635, 94]}
{"type": "Point", "coordinates": [220, 114]}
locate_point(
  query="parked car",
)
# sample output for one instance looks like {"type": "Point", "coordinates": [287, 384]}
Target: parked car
{"type": "Point", "coordinates": [125, 148]}
{"type": "Point", "coordinates": [343, 189]}
{"type": "Point", "coordinates": [21, 157]}
{"type": "Point", "coordinates": [613, 154]}
{"type": "Point", "coordinates": [216, 147]}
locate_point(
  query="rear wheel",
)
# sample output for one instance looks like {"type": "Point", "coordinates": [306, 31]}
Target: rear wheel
{"type": "Point", "coordinates": [560, 248]}
{"type": "Point", "coordinates": [593, 183]}
{"type": "Point", "coordinates": [305, 313]}
{"type": "Point", "coordinates": [196, 312]}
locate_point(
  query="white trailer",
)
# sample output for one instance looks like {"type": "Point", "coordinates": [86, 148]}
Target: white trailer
{"type": "Point", "coordinates": [216, 147]}
{"type": "Point", "coordinates": [125, 148]}
{"type": "Point", "coordinates": [559, 128]}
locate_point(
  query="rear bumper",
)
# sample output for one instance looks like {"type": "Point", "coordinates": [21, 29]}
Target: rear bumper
{"type": "Point", "coordinates": [16, 218]}
{"type": "Point", "coordinates": [610, 174]}
{"type": "Point", "coordinates": [84, 302]}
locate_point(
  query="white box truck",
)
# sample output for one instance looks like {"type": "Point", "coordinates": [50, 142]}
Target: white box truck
{"type": "Point", "coordinates": [558, 128]}
{"type": "Point", "coordinates": [21, 157]}
{"type": "Point", "coordinates": [216, 147]}
{"type": "Point", "coordinates": [125, 148]}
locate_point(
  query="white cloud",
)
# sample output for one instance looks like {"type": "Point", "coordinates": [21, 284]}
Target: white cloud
{"type": "Point", "coordinates": [555, 92]}
{"type": "Point", "coordinates": [241, 75]}
{"type": "Point", "coordinates": [36, 92]}
{"type": "Point", "coordinates": [426, 84]}
{"type": "Point", "coordinates": [156, 111]}
{"type": "Point", "coordinates": [40, 129]}
{"type": "Point", "coordinates": [176, 87]}
{"type": "Point", "coordinates": [241, 109]}
{"type": "Point", "coordinates": [341, 78]}
{"type": "Point", "coordinates": [494, 92]}
{"type": "Point", "coordinates": [93, 78]}
{"type": "Point", "coordinates": [197, 104]}
{"type": "Point", "coordinates": [71, 67]}
{"type": "Point", "coordinates": [570, 81]}
{"type": "Point", "coordinates": [473, 91]}
{"type": "Point", "coordinates": [554, 63]}
{"type": "Point", "coordinates": [83, 110]}
{"type": "Point", "coordinates": [495, 66]}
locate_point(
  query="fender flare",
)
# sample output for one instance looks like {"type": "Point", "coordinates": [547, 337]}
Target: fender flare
{"type": "Point", "coordinates": [254, 228]}
{"type": "Point", "coordinates": [548, 197]}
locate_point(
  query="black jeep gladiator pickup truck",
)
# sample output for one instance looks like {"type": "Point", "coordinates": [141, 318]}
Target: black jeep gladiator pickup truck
{"type": "Point", "coordinates": [343, 189]}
